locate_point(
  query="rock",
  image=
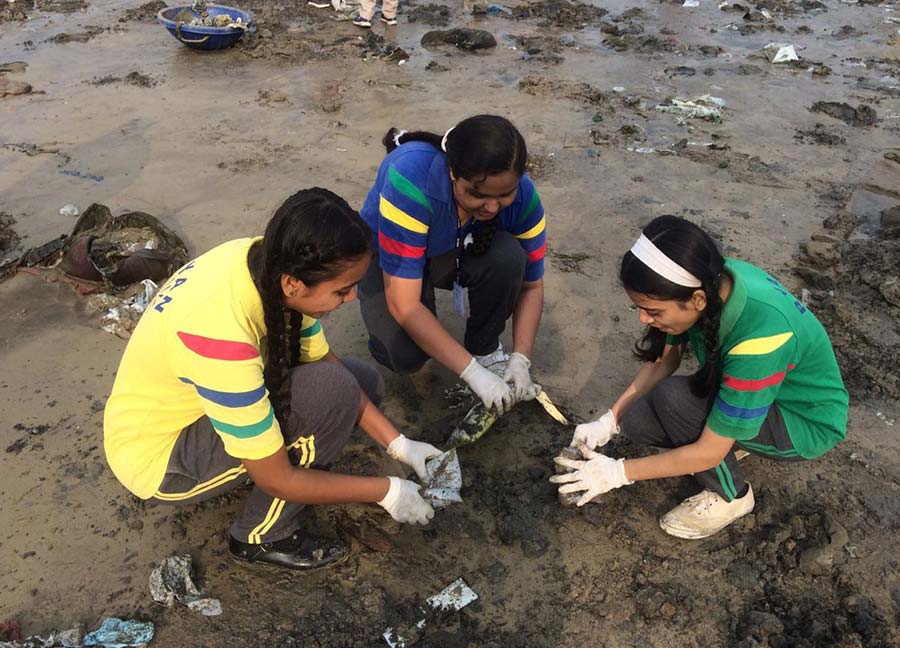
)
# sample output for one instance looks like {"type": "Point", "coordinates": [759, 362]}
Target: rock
{"type": "Point", "coordinates": [463, 38]}
{"type": "Point", "coordinates": [13, 67]}
{"type": "Point", "coordinates": [891, 217]}
{"type": "Point", "coordinates": [434, 66]}
{"type": "Point", "coordinates": [862, 115]}
{"type": "Point", "coordinates": [817, 561]}
{"type": "Point", "coordinates": [820, 254]}
{"type": "Point", "coordinates": [760, 625]}
{"type": "Point", "coordinates": [11, 88]}
{"type": "Point", "coordinates": [814, 278]}
{"type": "Point", "coordinates": [890, 290]}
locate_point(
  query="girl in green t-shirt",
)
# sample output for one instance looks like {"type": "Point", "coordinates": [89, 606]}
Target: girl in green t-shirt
{"type": "Point", "coordinates": [768, 381]}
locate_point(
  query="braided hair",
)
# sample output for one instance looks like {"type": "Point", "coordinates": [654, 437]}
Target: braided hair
{"type": "Point", "coordinates": [477, 147]}
{"type": "Point", "coordinates": [695, 251]}
{"type": "Point", "coordinates": [312, 237]}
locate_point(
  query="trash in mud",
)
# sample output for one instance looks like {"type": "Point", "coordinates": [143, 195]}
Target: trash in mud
{"type": "Point", "coordinates": [69, 211]}
{"type": "Point", "coordinates": [119, 633]}
{"type": "Point", "coordinates": [704, 107]}
{"type": "Point", "coordinates": [121, 313]}
{"type": "Point", "coordinates": [171, 581]}
{"type": "Point", "coordinates": [11, 637]}
{"type": "Point", "coordinates": [780, 53]}
{"type": "Point", "coordinates": [196, 16]}
{"type": "Point", "coordinates": [375, 47]}
{"type": "Point", "coordinates": [463, 38]}
{"type": "Point", "coordinates": [444, 480]}
{"type": "Point", "coordinates": [452, 598]}
{"type": "Point", "coordinates": [568, 500]}
{"type": "Point", "coordinates": [862, 115]}
{"type": "Point", "coordinates": [550, 408]}
{"type": "Point", "coordinates": [474, 425]}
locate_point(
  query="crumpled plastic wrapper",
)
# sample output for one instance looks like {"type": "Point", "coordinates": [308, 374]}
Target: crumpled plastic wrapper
{"type": "Point", "coordinates": [444, 480]}
{"type": "Point", "coordinates": [171, 581]}
{"type": "Point", "coordinates": [119, 633]}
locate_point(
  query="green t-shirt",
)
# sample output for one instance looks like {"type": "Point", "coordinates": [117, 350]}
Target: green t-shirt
{"type": "Point", "coordinates": [773, 350]}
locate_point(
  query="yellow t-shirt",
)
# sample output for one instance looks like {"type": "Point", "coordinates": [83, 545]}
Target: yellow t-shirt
{"type": "Point", "coordinates": [196, 352]}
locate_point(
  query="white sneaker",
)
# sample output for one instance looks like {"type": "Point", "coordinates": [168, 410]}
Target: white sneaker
{"type": "Point", "coordinates": [704, 514]}
{"type": "Point", "coordinates": [494, 362]}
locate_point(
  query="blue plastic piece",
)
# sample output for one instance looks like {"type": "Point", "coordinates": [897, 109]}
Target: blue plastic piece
{"type": "Point", "coordinates": [205, 38]}
{"type": "Point", "coordinates": [116, 633]}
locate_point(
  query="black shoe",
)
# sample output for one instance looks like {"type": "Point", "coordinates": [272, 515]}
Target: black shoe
{"type": "Point", "coordinates": [299, 552]}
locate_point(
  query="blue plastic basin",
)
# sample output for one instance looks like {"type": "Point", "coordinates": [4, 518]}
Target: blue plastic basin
{"type": "Point", "coordinates": [205, 38]}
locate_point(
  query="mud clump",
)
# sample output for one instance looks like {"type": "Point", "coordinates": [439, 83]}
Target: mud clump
{"type": "Point", "coordinates": [145, 13]}
{"type": "Point", "coordinates": [12, 12]}
{"type": "Point", "coordinates": [61, 6]}
{"type": "Point", "coordinates": [819, 134]}
{"type": "Point", "coordinates": [862, 115]}
{"type": "Point", "coordinates": [577, 90]}
{"type": "Point", "coordinates": [431, 14]}
{"type": "Point", "coordinates": [132, 78]}
{"type": "Point", "coordinates": [9, 238]}
{"type": "Point", "coordinates": [463, 38]}
{"type": "Point", "coordinates": [76, 37]}
{"type": "Point", "coordinates": [647, 44]}
{"type": "Point", "coordinates": [560, 13]}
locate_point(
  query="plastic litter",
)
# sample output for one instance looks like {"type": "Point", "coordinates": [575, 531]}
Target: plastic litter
{"type": "Point", "coordinates": [69, 211]}
{"type": "Point", "coordinates": [704, 107]}
{"type": "Point", "coordinates": [476, 422]}
{"type": "Point", "coordinates": [171, 581]}
{"type": "Point", "coordinates": [123, 312]}
{"type": "Point", "coordinates": [444, 480]}
{"type": "Point", "coordinates": [690, 4]}
{"type": "Point", "coordinates": [119, 633]}
{"type": "Point", "coordinates": [780, 53]}
{"type": "Point", "coordinates": [454, 597]}
{"type": "Point", "coordinates": [10, 637]}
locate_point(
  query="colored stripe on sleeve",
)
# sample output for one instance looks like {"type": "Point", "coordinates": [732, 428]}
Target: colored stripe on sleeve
{"type": "Point", "coordinates": [740, 412]}
{"type": "Point", "coordinates": [534, 231]}
{"type": "Point", "coordinates": [761, 346]}
{"type": "Point", "coordinates": [408, 189]}
{"type": "Point", "coordinates": [537, 255]}
{"type": "Point", "coordinates": [532, 205]}
{"type": "Point", "coordinates": [748, 385]}
{"type": "Point", "coordinates": [218, 349]}
{"type": "Point", "coordinates": [227, 399]}
{"type": "Point", "coordinates": [309, 331]}
{"type": "Point", "coordinates": [400, 249]}
{"type": "Point", "coordinates": [400, 217]}
{"type": "Point", "coordinates": [244, 431]}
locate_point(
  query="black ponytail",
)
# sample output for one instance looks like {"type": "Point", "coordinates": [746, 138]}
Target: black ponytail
{"type": "Point", "coordinates": [695, 251]}
{"type": "Point", "coordinates": [312, 237]}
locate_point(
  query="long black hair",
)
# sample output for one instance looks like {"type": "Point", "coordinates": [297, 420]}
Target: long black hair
{"type": "Point", "coordinates": [312, 237]}
{"type": "Point", "coordinates": [695, 251]}
{"type": "Point", "coordinates": [476, 148]}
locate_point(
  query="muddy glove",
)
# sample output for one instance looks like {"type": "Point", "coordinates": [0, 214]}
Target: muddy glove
{"type": "Point", "coordinates": [599, 475]}
{"type": "Point", "coordinates": [523, 389]}
{"type": "Point", "coordinates": [595, 434]}
{"type": "Point", "coordinates": [489, 387]}
{"type": "Point", "coordinates": [413, 453]}
{"type": "Point", "coordinates": [405, 504]}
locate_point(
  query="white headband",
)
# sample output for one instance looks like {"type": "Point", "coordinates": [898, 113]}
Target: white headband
{"type": "Point", "coordinates": [398, 135]}
{"type": "Point", "coordinates": [652, 257]}
{"type": "Point", "coordinates": [444, 140]}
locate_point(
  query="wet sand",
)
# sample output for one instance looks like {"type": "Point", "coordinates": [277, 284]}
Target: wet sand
{"type": "Point", "coordinates": [212, 143]}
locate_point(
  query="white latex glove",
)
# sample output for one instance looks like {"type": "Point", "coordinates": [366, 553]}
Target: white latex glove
{"type": "Point", "coordinates": [589, 436]}
{"type": "Point", "coordinates": [596, 476]}
{"type": "Point", "coordinates": [489, 387]}
{"type": "Point", "coordinates": [517, 375]}
{"type": "Point", "coordinates": [413, 453]}
{"type": "Point", "coordinates": [405, 504]}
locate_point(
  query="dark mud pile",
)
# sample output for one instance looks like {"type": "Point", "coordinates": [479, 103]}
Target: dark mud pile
{"type": "Point", "coordinates": [852, 269]}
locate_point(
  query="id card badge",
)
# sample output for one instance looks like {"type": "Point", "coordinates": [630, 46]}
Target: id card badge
{"type": "Point", "coordinates": [459, 300]}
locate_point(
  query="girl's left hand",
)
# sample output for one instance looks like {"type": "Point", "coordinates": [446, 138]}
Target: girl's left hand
{"type": "Point", "coordinates": [518, 376]}
{"type": "Point", "coordinates": [596, 476]}
{"type": "Point", "coordinates": [413, 453]}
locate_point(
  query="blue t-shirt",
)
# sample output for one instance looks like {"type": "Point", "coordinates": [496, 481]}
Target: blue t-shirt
{"type": "Point", "coordinates": [413, 217]}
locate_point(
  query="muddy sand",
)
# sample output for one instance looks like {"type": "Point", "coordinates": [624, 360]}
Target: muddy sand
{"type": "Point", "coordinates": [797, 169]}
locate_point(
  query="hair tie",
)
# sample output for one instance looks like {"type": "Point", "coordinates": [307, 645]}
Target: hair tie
{"type": "Point", "coordinates": [398, 135]}
{"type": "Point", "coordinates": [444, 140]}
{"type": "Point", "coordinates": [654, 258]}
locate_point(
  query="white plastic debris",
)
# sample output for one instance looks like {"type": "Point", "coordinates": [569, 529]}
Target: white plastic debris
{"type": "Point", "coordinates": [780, 53]}
{"type": "Point", "coordinates": [69, 211]}
{"type": "Point", "coordinates": [444, 480]}
{"type": "Point", "coordinates": [690, 3]}
{"type": "Point", "coordinates": [455, 596]}
{"type": "Point", "coordinates": [704, 107]}
{"type": "Point", "coordinates": [171, 581]}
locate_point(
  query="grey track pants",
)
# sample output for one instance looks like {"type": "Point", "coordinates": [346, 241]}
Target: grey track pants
{"type": "Point", "coordinates": [493, 280]}
{"type": "Point", "coordinates": [670, 416]}
{"type": "Point", "coordinates": [324, 412]}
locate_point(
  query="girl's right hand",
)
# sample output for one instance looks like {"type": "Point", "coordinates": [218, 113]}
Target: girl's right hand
{"type": "Point", "coordinates": [405, 504]}
{"type": "Point", "coordinates": [590, 436]}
